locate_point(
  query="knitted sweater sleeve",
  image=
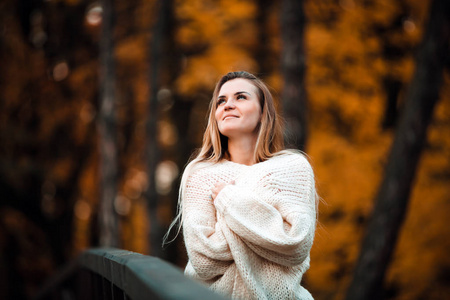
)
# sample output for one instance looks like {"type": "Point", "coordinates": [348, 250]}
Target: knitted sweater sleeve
{"type": "Point", "coordinates": [276, 215]}
{"type": "Point", "coordinates": [207, 248]}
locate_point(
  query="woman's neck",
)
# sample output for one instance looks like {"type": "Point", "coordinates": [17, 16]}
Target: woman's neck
{"type": "Point", "coordinates": [242, 151]}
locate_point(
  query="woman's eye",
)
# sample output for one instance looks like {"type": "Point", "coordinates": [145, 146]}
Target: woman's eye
{"type": "Point", "coordinates": [220, 101]}
{"type": "Point", "coordinates": [241, 97]}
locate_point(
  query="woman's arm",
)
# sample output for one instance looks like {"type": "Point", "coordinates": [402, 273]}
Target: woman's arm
{"type": "Point", "coordinates": [206, 245]}
{"type": "Point", "coordinates": [276, 217]}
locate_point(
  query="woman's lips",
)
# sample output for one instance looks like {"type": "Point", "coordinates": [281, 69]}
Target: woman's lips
{"type": "Point", "coordinates": [230, 117]}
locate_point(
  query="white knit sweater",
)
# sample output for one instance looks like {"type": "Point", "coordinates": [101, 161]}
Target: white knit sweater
{"type": "Point", "coordinates": [253, 241]}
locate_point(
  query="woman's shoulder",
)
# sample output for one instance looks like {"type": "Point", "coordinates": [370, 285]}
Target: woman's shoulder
{"type": "Point", "coordinates": [202, 169]}
{"type": "Point", "coordinates": [291, 157]}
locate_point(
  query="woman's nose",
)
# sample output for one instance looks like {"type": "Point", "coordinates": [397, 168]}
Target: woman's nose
{"type": "Point", "coordinates": [229, 105]}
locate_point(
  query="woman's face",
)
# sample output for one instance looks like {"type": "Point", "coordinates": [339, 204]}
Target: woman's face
{"type": "Point", "coordinates": [238, 111]}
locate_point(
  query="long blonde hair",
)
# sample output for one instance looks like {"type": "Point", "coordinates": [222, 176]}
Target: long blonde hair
{"type": "Point", "coordinates": [215, 145]}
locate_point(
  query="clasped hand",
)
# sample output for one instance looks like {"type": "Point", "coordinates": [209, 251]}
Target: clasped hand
{"type": "Point", "coordinates": [217, 188]}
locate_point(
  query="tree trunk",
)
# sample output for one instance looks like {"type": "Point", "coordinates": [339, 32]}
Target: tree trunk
{"type": "Point", "coordinates": [157, 43]}
{"type": "Point", "coordinates": [392, 199]}
{"type": "Point", "coordinates": [108, 220]}
{"type": "Point", "coordinates": [180, 113]}
{"type": "Point", "coordinates": [293, 72]}
{"type": "Point", "coordinates": [392, 88]}
{"type": "Point", "coordinates": [263, 52]}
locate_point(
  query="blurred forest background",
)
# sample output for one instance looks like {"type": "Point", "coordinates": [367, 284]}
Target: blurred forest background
{"type": "Point", "coordinates": [88, 89]}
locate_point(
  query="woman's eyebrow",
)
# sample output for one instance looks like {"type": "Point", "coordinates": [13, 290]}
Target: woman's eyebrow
{"type": "Point", "coordinates": [242, 92]}
{"type": "Point", "coordinates": [235, 94]}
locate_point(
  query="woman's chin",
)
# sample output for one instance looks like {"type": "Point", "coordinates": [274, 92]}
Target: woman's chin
{"type": "Point", "coordinates": [229, 131]}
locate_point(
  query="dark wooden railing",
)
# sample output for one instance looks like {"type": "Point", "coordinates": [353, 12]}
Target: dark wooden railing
{"type": "Point", "coordinates": [106, 273]}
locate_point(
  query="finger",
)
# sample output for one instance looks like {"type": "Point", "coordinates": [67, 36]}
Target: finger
{"type": "Point", "coordinates": [218, 185]}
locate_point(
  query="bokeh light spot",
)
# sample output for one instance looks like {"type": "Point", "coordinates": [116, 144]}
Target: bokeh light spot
{"type": "Point", "coordinates": [94, 14]}
{"type": "Point", "coordinates": [166, 172]}
{"type": "Point", "coordinates": [409, 26]}
{"type": "Point", "coordinates": [82, 210]}
{"type": "Point", "coordinates": [60, 71]}
{"type": "Point", "coordinates": [122, 205]}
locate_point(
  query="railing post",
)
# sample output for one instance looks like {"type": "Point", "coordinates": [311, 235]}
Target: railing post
{"type": "Point", "coordinates": [97, 286]}
{"type": "Point", "coordinates": [117, 294]}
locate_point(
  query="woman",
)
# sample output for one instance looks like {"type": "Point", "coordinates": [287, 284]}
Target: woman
{"type": "Point", "coordinates": [248, 207]}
